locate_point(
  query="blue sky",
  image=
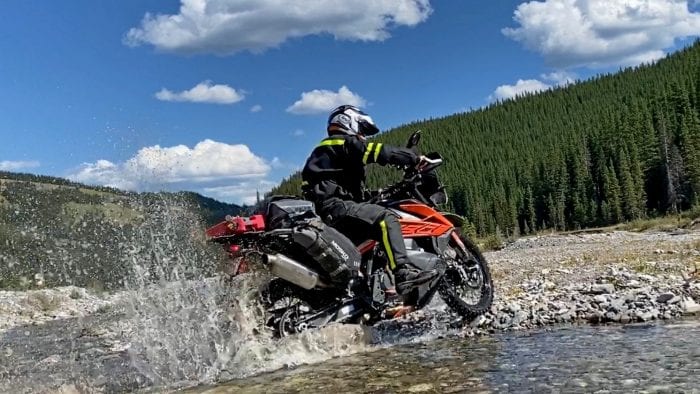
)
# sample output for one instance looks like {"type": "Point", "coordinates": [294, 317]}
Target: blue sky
{"type": "Point", "coordinates": [226, 97]}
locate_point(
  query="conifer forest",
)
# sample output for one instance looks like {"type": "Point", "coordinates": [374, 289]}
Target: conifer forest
{"type": "Point", "coordinates": [611, 149]}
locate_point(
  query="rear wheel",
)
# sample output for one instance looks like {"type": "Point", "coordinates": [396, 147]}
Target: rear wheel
{"type": "Point", "coordinates": [291, 309]}
{"type": "Point", "coordinates": [284, 306]}
{"type": "Point", "coordinates": [467, 287]}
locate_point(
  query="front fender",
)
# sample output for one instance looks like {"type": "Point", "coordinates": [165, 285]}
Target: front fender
{"type": "Point", "coordinates": [456, 220]}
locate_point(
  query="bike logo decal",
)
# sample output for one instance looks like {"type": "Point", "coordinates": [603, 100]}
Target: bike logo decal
{"type": "Point", "coordinates": [340, 251]}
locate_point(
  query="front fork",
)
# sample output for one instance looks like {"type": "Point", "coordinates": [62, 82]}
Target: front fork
{"type": "Point", "coordinates": [468, 272]}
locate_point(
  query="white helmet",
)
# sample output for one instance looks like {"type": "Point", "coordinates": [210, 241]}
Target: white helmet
{"type": "Point", "coordinates": [350, 120]}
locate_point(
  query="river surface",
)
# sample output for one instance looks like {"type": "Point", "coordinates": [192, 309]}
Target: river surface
{"type": "Point", "coordinates": [72, 357]}
{"type": "Point", "coordinates": [632, 358]}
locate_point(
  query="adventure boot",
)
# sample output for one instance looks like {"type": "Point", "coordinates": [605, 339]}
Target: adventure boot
{"type": "Point", "coordinates": [408, 277]}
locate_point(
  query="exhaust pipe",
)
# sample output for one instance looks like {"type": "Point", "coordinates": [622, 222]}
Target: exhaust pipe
{"type": "Point", "coordinates": [292, 271]}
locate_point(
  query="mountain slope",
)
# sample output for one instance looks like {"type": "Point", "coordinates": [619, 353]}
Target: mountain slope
{"type": "Point", "coordinates": [68, 233]}
{"type": "Point", "coordinates": [614, 148]}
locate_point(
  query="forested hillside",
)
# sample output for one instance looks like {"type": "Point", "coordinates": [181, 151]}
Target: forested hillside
{"type": "Point", "coordinates": [612, 149]}
{"type": "Point", "coordinates": [61, 232]}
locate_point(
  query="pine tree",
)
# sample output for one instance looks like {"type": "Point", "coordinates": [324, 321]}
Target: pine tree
{"type": "Point", "coordinates": [629, 201]}
{"type": "Point", "coordinates": [613, 195]}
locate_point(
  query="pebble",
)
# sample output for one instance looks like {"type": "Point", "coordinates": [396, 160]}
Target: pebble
{"type": "Point", "coordinates": [420, 388]}
{"type": "Point", "coordinates": [602, 288]}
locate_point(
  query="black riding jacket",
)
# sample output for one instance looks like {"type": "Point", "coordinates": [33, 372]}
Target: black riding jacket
{"type": "Point", "coordinates": [336, 167]}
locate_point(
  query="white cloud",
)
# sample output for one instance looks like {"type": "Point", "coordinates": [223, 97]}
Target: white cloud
{"type": "Point", "coordinates": [595, 33]}
{"type": "Point", "coordinates": [560, 77]}
{"type": "Point", "coordinates": [555, 78]}
{"type": "Point", "coordinates": [277, 163]}
{"type": "Point", "coordinates": [256, 108]}
{"type": "Point", "coordinates": [208, 164]}
{"type": "Point", "coordinates": [230, 26]}
{"type": "Point", "coordinates": [520, 88]}
{"type": "Point", "coordinates": [8, 165]}
{"type": "Point", "coordinates": [321, 101]}
{"type": "Point", "coordinates": [298, 133]}
{"type": "Point", "coordinates": [204, 92]}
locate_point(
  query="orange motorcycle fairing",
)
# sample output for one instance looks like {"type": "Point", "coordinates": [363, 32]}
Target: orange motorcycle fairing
{"type": "Point", "coordinates": [430, 223]}
{"type": "Point", "coordinates": [411, 228]}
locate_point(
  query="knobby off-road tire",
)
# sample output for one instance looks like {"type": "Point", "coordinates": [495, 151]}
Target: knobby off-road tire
{"type": "Point", "coordinates": [452, 291]}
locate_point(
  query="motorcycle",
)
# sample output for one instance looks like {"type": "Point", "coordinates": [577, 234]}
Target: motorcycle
{"type": "Point", "coordinates": [294, 244]}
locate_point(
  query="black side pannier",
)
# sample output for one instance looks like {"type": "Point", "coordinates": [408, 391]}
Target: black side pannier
{"type": "Point", "coordinates": [283, 212]}
{"type": "Point", "coordinates": [333, 251]}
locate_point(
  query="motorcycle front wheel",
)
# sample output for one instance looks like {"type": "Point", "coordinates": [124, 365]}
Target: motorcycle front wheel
{"type": "Point", "coordinates": [467, 287]}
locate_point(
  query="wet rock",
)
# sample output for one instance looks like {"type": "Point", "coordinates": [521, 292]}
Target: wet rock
{"type": "Point", "coordinates": [664, 297]}
{"type": "Point", "coordinates": [479, 321]}
{"type": "Point", "coordinates": [617, 305]}
{"type": "Point", "coordinates": [689, 306]}
{"type": "Point", "coordinates": [610, 316]}
{"type": "Point", "coordinates": [519, 317]}
{"type": "Point", "coordinates": [595, 317]}
{"type": "Point", "coordinates": [643, 316]}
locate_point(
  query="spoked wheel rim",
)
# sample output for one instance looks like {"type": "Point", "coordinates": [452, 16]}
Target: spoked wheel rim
{"type": "Point", "coordinates": [286, 325]}
{"type": "Point", "coordinates": [467, 278]}
{"type": "Point", "coordinates": [285, 309]}
{"type": "Point", "coordinates": [467, 286]}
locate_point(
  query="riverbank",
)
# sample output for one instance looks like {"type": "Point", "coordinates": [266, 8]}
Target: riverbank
{"type": "Point", "coordinates": [613, 277]}
{"type": "Point", "coordinates": [35, 307]}
{"type": "Point", "coordinates": [618, 277]}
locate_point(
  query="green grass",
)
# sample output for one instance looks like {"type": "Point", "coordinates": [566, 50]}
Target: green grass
{"type": "Point", "coordinates": [492, 242]}
{"type": "Point", "coordinates": [114, 212]}
{"type": "Point", "coordinates": [98, 193]}
{"type": "Point", "coordinates": [664, 223]}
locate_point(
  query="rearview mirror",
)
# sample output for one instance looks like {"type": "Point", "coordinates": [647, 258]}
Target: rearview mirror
{"type": "Point", "coordinates": [413, 139]}
{"type": "Point", "coordinates": [439, 198]}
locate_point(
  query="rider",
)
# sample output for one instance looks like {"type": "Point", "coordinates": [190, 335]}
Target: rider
{"type": "Point", "coordinates": [333, 178]}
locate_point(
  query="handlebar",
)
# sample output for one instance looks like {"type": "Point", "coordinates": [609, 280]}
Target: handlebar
{"type": "Point", "coordinates": [411, 175]}
{"type": "Point", "coordinates": [427, 164]}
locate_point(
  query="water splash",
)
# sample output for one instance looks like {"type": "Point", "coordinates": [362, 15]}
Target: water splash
{"type": "Point", "coordinates": [188, 326]}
